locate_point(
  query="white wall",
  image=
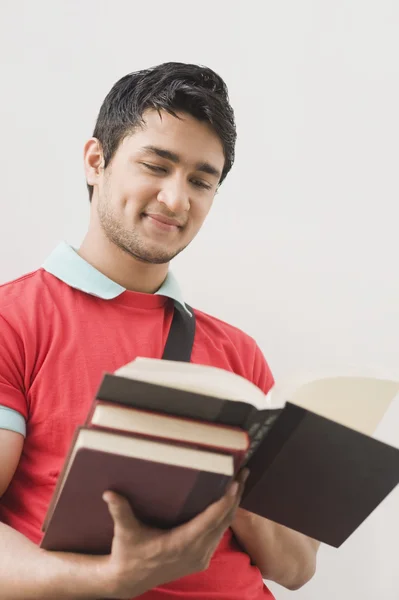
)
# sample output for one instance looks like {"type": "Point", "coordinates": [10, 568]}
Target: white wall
{"type": "Point", "coordinates": [301, 249]}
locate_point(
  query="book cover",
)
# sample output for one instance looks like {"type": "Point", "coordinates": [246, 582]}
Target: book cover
{"type": "Point", "coordinates": [162, 494]}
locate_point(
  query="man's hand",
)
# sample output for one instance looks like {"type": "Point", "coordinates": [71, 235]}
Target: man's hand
{"type": "Point", "coordinates": [143, 557]}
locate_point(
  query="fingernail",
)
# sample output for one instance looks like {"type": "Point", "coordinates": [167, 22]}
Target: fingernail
{"type": "Point", "coordinates": [233, 489]}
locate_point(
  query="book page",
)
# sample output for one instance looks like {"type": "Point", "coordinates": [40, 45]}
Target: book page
{"type": "Point", "coordinates": [202, 379]}
{"type": "Point", "coordinates": [356, 402]}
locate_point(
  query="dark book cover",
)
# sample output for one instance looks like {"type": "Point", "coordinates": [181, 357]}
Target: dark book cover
{"type": "Point", "coordinates": [161, 495]}
{"type": "Point", "coordinates": [318, 477]}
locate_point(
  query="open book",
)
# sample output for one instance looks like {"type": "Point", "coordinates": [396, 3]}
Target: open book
{"type": "Point", "coordinates": [314, 465]}
{"type": "Point", "coordinates": [219, 396]}
{"type": "Point", "coordinates": [354, 401]}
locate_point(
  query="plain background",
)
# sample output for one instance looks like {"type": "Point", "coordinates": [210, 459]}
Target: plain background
{"type": "Point", "coordinates": [301, 249]}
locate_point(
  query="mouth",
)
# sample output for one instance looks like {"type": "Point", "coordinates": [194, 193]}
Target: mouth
{"type": "Point", "coordinates": [162, 223]}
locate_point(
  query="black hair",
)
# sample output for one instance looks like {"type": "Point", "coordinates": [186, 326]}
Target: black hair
{"type": "Point", "coordinates": [172, 87]}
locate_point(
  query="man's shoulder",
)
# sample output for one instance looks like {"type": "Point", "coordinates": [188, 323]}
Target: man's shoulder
{"type": "Point", "coordinates": [215, 324]}
{"type": "Point", "coordinates": [21, 291]}
{"type": "Point", "coordinates": [225, 337]}
{"type": "Point", "coordinates": [228, 346]}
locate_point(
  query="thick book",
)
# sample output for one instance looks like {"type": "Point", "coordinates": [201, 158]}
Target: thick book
{"type": "Point", "coordinates": [149, 424]}
{"type": "Point", "coordinates": [314, 465]}
{"type": "Point", "coordinates": [167, 485]}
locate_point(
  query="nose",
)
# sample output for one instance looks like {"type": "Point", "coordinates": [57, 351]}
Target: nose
{"type": "Point", "coordinates": [174, 195]}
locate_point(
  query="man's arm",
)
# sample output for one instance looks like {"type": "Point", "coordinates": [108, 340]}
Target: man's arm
{"type": "Point", "coordinates": [281, 554]}
{"type": "Point", "coordinates": [11, 445]}
{"type": "Point", "coordinates": [141, 557]}
{"type": "Point", "coordinates": [28, 573]}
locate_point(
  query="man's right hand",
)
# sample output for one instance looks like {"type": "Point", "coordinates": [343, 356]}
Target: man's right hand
{"type": "Point", "coordinates": [143, 557]}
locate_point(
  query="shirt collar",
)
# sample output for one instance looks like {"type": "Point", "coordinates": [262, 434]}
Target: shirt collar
{"type": "Point", "coordinates": [66, 264]}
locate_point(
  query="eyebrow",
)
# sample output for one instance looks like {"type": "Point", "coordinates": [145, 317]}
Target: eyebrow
{"type": "Point", "coordinates": [203, 167]}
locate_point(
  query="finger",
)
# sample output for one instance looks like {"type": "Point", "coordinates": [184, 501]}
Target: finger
{"type": "Point", "coordinates": [240, 480]}
{"type": "Point", "coordinates": [232, 498]}
{"type": "Point", "coordinates": [212, 537]}
{"type": "Point", "coordinates": [120, 511]}
{"type": "Point", "coordinates": [235, 492]}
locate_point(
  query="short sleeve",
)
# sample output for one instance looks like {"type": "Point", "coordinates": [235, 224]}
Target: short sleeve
{"type": "Point", "coordinates": [12, 370]}
{"type": "Point", "coordinates": [262, 375]}
{"type": "Point", "coordinates": [12, 420]}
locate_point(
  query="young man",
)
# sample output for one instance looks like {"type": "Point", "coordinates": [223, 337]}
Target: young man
{"type": "Point", "coordinates": [163, 143]}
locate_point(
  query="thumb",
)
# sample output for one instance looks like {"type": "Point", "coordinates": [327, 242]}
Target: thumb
{"type": "Point", "coordinates": [120, 511]}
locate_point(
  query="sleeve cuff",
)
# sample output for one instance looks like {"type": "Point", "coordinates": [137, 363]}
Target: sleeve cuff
{"type": "Point", "coordinates": [12, 420]}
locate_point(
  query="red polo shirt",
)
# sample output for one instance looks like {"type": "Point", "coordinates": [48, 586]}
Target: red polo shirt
{"type": "Point", "coordinates": [56, 340]}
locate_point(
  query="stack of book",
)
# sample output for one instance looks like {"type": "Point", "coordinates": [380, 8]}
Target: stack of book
{"type": "Point", "coordinates": [170, 437]}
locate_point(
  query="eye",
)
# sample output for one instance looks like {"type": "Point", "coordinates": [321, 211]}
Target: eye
{"type": "Point", "coordinates": [154, 168]}
{"type": "Point", "coordinates": [201, 184]}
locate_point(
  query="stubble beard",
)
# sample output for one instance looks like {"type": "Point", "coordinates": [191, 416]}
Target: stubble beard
{"type": "Point", "coordinates": [130, 241]}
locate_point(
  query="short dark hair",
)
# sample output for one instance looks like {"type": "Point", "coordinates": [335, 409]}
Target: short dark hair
{"type": "Point", "coordinates": [172, 87]}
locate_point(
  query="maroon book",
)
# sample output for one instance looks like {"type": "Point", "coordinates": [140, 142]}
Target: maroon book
{"type": "Point", "coordinates": [162, 492]}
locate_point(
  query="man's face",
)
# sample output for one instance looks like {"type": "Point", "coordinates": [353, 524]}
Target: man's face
{"type": "Point", "coordinates": [157, 190]}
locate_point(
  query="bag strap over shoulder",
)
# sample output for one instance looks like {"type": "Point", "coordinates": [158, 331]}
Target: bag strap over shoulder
{"type": "Point", "coordinates": [180, 340]}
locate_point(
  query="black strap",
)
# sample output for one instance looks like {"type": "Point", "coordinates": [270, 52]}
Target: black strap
{"type": "Point", "coordinates": [181, 335]}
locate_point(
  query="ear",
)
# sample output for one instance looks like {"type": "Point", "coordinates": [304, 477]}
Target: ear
{"type": "Point", "coordinates": [93, 161]}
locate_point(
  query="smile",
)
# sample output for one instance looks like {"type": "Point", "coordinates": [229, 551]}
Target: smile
{"type": "Point", "coordinates": [162, 223]}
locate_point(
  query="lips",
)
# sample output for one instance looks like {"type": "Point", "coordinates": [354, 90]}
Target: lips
{"type": "Point", "coordinates": [164, 220]}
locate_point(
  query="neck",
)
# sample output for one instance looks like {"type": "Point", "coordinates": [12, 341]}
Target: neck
{"type": "Point", "coordinates": [124, 269]}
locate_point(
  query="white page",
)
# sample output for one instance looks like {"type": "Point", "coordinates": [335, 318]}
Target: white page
{"type": "Point", "coordinates": [354, 401]}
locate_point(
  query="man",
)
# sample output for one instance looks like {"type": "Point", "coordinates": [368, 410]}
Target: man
{"type": "Point", "coordinates": [163, 143]}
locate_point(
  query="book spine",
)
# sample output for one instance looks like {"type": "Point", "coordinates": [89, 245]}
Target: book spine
{"type": "Point", "coordinates": [280, 429]}
{"type": "Point", "coordinates": [58, 485]}
{"type": "Point", "coordinates": [258, 425]}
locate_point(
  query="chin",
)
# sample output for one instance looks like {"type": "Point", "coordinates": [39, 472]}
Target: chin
{"type": "Point", "coordinates": [155, 256]}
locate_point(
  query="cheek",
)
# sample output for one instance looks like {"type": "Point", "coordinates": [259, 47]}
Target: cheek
{"type": "Point", "coordinates": [200, 209]}
{"type": "Point", "coordinates": [134, 196]}
{"type": "Point", "coordinates": [198, 213]}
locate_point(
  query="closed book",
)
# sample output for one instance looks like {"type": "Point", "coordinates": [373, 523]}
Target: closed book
{"type": "Point", "coordinates": [166, 485]}
{"type": "Point", "coordinates": [154, 425]}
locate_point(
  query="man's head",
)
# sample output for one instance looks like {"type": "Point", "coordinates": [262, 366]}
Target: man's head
{"type": "Point", "coordinates": [163, 142]}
